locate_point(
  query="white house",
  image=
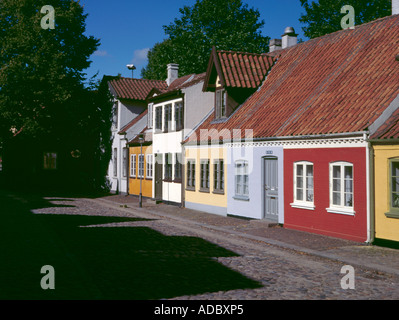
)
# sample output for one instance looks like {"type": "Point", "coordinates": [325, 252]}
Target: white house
{"type": "Point", "coordinates": [175, 112]}
{"type": "Point", "coordinates": [129, 103]}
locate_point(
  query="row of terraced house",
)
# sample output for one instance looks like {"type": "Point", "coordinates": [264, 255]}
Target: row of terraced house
{"type": "Point", "coordinates": [306, 135]}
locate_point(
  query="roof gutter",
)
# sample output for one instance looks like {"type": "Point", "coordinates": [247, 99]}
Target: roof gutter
{"type": "Point", "coordinates": [285, 138]}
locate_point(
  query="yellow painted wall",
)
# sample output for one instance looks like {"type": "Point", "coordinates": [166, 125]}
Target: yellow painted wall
{"type": "Point", "coordinates": [134, 183]}
{"type": "Point", "coordinates": [386, 228]}
{"type": "Point", "coordinates": [206, 198]}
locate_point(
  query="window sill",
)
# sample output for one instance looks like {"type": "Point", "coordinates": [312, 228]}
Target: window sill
{"type": "Point", "coordinates": [303, 206]}
{"type": "Point", "coordinates": [241, 198]}
{"type": "Point", "coordinates": [204, 190]}
{"type": "Point", "coordinates": [393, 215]}
{"type": "Point", "coordinates": [348, 212]}
{"type": "Point", "coordinates": [218, 191]}
{"type": "Point", "coordinates": [190, 189]}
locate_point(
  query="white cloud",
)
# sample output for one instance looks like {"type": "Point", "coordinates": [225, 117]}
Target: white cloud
{"type": "Point", "coordinates": [140, 56]}
{"type": "Point", "coordinates": [101, 53]}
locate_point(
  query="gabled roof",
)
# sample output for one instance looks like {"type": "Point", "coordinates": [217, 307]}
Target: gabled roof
{"type": "Point", "coordinates": [238, 69]}
{"type": "Point", "coordinates": [178, 84]}
{"type": "Point", "coordinates": [134, 89]}
{"type": "Point", "coordinates": [133, 122]}
{"type": "Point", "coordinates": [338, 83]}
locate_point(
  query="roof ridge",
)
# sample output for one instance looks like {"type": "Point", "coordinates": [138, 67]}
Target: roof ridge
{"type": "Point", "coordinates": [242, 52]}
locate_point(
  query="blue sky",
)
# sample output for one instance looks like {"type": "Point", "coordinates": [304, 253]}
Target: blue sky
{"type": "Point", "coordinates": [127, 29]}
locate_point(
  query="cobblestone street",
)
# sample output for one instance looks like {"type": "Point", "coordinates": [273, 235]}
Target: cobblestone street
{"type": "Point", "coordinates": [285, 270]}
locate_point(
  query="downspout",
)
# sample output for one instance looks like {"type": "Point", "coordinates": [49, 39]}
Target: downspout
{"type": "Point", "coordinates": [371, 192]}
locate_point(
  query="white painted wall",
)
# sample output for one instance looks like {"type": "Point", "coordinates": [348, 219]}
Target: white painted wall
{"type": "Point", "coordinates": [127, 111]}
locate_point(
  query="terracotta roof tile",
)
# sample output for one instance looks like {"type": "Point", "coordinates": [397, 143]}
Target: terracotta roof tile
{"type": "Point", "coordinates": [134, 89]}
{"type": "Point", "coordinates": [244, 70]}
{"type": "Point", "coordinates": [340, 82]}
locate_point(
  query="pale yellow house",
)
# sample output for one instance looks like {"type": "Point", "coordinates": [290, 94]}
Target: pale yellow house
{"type": "Point", "coordinates": [205, 180]}
{"type": "Point", "coordinates": [385, 151]}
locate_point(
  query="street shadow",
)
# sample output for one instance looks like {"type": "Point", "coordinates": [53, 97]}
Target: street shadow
{"type": "Point", "coordinates": [123, 263]}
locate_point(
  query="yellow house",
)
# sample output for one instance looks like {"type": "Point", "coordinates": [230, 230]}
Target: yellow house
{"type": "Point", "coordinates": [385, 148]}
{"type": "Point", "coordinates": [386, 181]}
{"type": "Point", "coordinates": [205, 180]}
{"type": "Point", "coordinates": [140, 167]}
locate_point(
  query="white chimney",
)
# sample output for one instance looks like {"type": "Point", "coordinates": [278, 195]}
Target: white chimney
{"type": "Point", "coordinates": [173, 73]}
{"type": "Point", "coordinates": [395, 7]}
{"type": "Point", "coordinates": [274, 45]}
{"type": "Point", "coordinates": [289, 38]}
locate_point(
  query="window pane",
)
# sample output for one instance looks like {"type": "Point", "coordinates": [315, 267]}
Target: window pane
{"type": "Point", "coordinates": [348, 172]}
{"type": "Point", "coordinates": [395, 184]}
{"type": "Point", "coordinates": [348, 185]}
{"type": "Point", "coordinates": [395, 169]}
{"type": "Point", "coordinates": [395, 200]}
{"type": "Point", "coordinates": [309, 171]}
{"type": "Point", "coordinates": [245, 191]}
{"type": "Point", "coordinates": [299, 182]}
{"type": "Point", "coordinates": [336, 172]}
{"type": "Point", "coordinates": [336, 185]}
{"type": "Point", "coordinates": [348, 200]}
{"type": "Point", "coordinates": [299, 194]}
{"type": "Point", "coordinates": [337, 198]}
{"type": "Point", "coordinates": [299, 170]}
{"type": "Point", "coordinates": [309, 195]}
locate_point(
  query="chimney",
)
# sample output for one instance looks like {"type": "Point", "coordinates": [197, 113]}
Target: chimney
{"type": "Point", "coordinates": [290, 38]}
{"type": "Point", "coordinates": [173, 73]}
{"type": "Point", "coordinates": [274, 45]}
{"type": "Point", "coordinates": [395, 7]}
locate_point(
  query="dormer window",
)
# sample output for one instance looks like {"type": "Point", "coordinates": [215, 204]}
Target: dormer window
{"type": "Point", "coordinates": [220, 104]}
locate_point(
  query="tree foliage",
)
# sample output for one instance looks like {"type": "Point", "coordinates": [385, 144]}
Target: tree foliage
{"type": "Point", "coordinates": [324, 16]}
{"type": "Point", "coordinates": [41, 70]}
{"type": "Point", "coordinates": [45, 99]}
{"type": "Point", "coordinates": [225, 24]}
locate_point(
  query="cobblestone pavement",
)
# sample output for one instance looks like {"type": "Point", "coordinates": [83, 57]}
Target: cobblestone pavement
{"type": "Point", "coordinates": [291, 265]}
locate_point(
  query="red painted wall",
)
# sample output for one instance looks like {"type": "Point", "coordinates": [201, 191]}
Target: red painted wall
{"type": "Point", "coordinates": [319, 220]}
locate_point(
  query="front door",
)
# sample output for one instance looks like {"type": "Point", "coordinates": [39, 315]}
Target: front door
{"type": "Point", "coordinates": [158, 176]}
{"type": "Point", "coordinates": [270, 188]}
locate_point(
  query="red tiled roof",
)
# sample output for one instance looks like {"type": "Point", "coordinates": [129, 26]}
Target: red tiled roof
{"type": "Point", "coordinates": [181, 83]}
{"type": "Point", "coordinates": [390, 129]}
{"type": "Point", "coordinates": [133, 122]}
{"type": "Point", "coordinates": [134, 89]}
{"type": "Point", "coordinates": [239, 69]}
{"type": "Point", "coordinates": [337, 83]}
{"type": "Point", "coordinates": [186, 81]}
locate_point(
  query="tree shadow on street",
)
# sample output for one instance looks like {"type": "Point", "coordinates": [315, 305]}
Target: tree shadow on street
{"type": "Point", "coordinates": [135, 263]}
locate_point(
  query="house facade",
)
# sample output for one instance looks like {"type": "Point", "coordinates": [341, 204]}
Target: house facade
{"type": "Point", "coordinates": [141, 164]}
{"type": "Point", "coordinates": [231, 77]}
{"type": "Point", "coordinates": [129, 102]}
{"type": "Point", "coordinates": [175, 111]}
{"type": "Point", "coordinates": [385, 174]}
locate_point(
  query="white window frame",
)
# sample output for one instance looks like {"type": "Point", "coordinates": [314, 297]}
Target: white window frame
{"type": "Point", "coordinates": [303, 203]}
{"type": "Point", "coordinates": [133, 163]}
{"type": "Point", "coordinates": [125, 156]}
{"type": "Point", "coordinates": [241, 187]}
{"type": "Point", "coordinates": [149, 167]}
{"type": "Point", "coordinates": [341, 208]}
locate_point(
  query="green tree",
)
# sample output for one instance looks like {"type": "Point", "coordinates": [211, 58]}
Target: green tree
{"type": "Point", "coordinates": [324, 16]}
{"type": "Point", "coordinates": [44, 96]}
{"type": "Point", "coordinates": [41, 69]}
{"type": "Point", "coordinates": [225, 24]}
